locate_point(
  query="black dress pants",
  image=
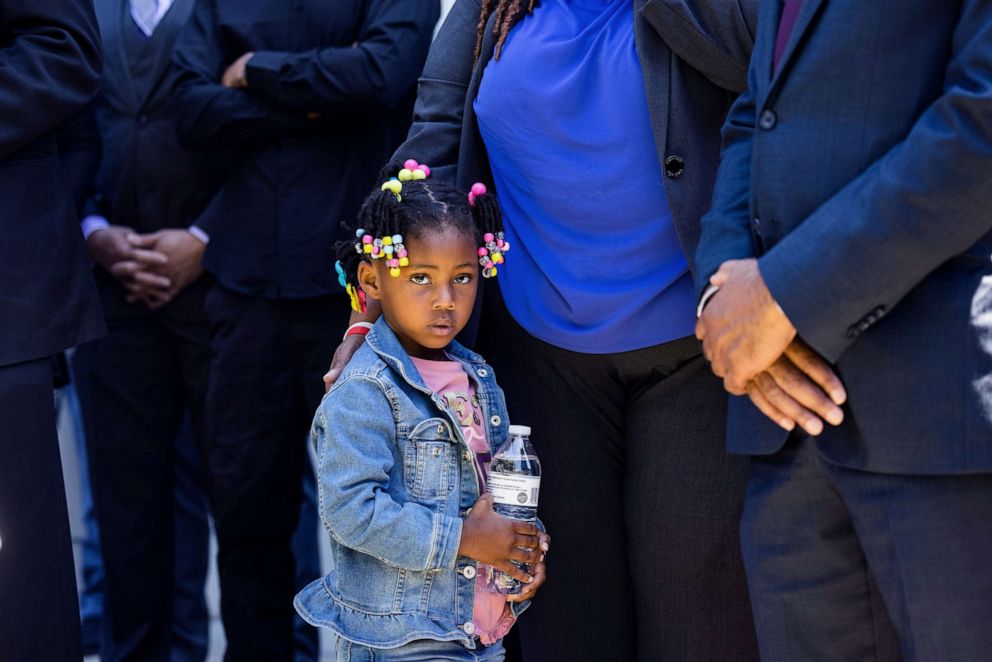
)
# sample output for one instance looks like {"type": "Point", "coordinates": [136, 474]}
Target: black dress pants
{"type": "Point", "coordinates": [639, 496]}
{"type": "Point", "coordinates": [134, 386]}
{"type": "Point", "coordinates": [265, 385]}
{"type": "Point", "coordinates": [39, 614]}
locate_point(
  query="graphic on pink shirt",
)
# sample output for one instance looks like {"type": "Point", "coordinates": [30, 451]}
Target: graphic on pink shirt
{"type": "Point", "coordinates": [491, 613]}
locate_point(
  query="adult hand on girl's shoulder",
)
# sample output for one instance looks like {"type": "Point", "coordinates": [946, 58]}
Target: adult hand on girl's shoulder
{"type": "Point", "coordinates": [350, 344]}
{"type": "Point", "coordinates": [538, 570]}
{"type": "Point", "coordinates": [496, 541]}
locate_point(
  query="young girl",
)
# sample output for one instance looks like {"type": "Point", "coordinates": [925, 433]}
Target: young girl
{"type": "Point", "coordinates": [404, 438]}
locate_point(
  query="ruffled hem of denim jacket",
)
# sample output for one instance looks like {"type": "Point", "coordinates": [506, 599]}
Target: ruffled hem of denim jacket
{"type": "Point", "coordinates": [319, 607]}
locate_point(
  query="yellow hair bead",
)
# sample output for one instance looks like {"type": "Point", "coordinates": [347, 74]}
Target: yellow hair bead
{"type": "Point", "coordinates": [405, 175]}
{"type": "Point", "coordinates": [394, 272]}
{"type": "Point", "coordinates": [367, 248]}
{"type": "Point", "coordinates": [387, 241]}
{"type": "Point", "coordinates": [404, 262]}
{"type": "Point", "coordinates": [418, 174]}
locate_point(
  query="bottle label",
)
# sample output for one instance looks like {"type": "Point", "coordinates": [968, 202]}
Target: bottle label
{"type": "Point", "coordinates": [513, 490]}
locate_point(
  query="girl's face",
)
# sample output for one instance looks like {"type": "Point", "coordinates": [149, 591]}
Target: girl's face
{"type": "Point", "coordinates": [432, 299]}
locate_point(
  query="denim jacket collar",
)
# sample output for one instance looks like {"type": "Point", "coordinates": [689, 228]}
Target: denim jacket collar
{"type": "Point", "coordinates": [382, 340]}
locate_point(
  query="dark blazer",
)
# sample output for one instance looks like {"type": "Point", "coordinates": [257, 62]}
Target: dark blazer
{"type": "Point", "coordinates": [859, 175]}
{"type": "Point", "coordinates": [293, 178]}
{"type": "Point", "coordinates": [147, 179]}
{"type": "Point", "coordinates": [49, 70]}
{"type": "Point", "coordinates": [694, 57]}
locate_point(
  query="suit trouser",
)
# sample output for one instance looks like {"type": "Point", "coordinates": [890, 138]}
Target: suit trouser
{"type": "Point", "coordinates": [135, 385]}
{"type": "Point", "coordinates": [265, 385]}
{"type": "Point", "coordinates": [844, 564]}
{"type": "Point", "coordinates": [640, 498]}
{"type": "Point", "coordinates": [39, 616]}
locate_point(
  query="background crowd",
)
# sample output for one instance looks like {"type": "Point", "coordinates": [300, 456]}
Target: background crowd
{"type": "Point", "coordinates": [771, 163]}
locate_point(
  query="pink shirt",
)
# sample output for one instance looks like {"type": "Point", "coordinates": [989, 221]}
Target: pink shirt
{"type": "Point", "coordinates": [491, 613]}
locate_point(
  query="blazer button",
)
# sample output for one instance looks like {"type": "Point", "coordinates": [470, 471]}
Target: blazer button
{"type": "Point", "coordinates": [756, 225]}
{"type": "Point", "coordinates": [468, 572]}
{"type": "Point", "coordinates": [768, 120]}
{"type": "Point", "coordinates": [674, 166]}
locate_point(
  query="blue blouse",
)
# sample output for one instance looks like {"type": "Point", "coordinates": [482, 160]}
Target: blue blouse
{"type": "Point", "coordinates": [595, 265]}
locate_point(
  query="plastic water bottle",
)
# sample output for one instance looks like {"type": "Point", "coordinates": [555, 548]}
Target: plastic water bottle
{"type": "Point", "coordinates": [515, 482]}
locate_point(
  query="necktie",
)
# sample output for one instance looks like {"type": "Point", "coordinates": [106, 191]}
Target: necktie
{"type": "Point", "coordinates": [790, 12]}
{"type": "Point", "coordinates": [146, 15]}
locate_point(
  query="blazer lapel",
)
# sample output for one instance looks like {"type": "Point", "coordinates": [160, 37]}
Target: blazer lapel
{"type": "Point", "coordinates": [806, 15]}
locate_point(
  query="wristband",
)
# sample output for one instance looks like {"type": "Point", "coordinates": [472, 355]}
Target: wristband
{"type": "Point", "coordinates": [357, 329]}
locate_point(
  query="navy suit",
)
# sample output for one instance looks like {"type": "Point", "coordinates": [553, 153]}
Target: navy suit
{"type": "Point", "coordinates": [136, 383]}
{"type": "Point", "coordinates": [329, 94]}
{"type": "Point", "coordinates": [859, 176]}
{"type": "Point", "coordinates": [49, 70]}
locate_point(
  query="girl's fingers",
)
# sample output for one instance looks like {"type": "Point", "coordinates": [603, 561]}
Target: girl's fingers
{"type": "Point", "coordinates": [529, 590]}
{"type": "Point", "coordinates": [515, 572]}
{"type": "Point", "coordinates": [526, 555]}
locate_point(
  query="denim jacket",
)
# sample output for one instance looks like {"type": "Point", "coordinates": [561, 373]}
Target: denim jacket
{"type": "Point", "coordinates": [395, 479]}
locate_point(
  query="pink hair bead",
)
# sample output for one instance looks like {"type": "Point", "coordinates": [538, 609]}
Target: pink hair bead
{"type": "Point", "coordinates": [479, 188]}
{"type": "Point", "coordinates": [483, 251]}
{"type": "Point", "coordinates": [401, 253]}
{"type": "Point", "coordinates": [410, 164]}
{"type": "Point", "coordinates": [488, 237]}
{"type": "Point", "coordinates": [367, 239]}
{"type": "Point", "coordinates": [425, 169]}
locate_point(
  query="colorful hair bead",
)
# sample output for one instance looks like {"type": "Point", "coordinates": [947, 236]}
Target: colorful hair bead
{"type": "Point", "coordinates": [493, 251]}
{"type": "Point", "coordinates": [359, 303]}
{"type": "Point", "coordinates": [342, 276]}
{"type": "Point", "coordinates": [478, 189]}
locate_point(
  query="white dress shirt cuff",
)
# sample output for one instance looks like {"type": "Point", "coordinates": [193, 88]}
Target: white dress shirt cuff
{"type": "Point", "coordinates": [199, 234]}
{"type": "Point", "coordinates": [91, 224]}
{"type": "Point", "coordinates": [708, 293]}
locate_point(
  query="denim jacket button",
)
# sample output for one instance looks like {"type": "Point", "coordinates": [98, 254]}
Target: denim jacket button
{"type": "Point", "coordinates": [495, 420]}
{"type": "Point", "coordinates": [483, 372]}
{"type": "Point", "coordinates": [436, 452]}
{"type": "Point", "coordinates": [467, 455]}
{"type": "Point", "coordinates": [440, 429]}
{"type": "Point", "coordinates": [469, 627]}
{"type": "Point", "coordinates": [469, 572]}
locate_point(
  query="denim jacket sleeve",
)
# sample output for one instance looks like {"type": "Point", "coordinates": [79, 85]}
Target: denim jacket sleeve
{"type": "Point", "coordinates": [354, 434]}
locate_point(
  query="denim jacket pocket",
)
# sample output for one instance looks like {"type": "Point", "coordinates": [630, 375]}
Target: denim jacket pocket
{"type": "Point", "coordinates": [429, 461]}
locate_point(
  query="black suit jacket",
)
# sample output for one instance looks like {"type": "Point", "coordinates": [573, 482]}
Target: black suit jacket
{"type": "Point", "coordinates": [147, 179]}
{"type": "Point", "coordinates": [49, 70]}
{"type": "Point", "coordinates": [860, 176]}
{"type": "Point", "coordinates": [294, 179]}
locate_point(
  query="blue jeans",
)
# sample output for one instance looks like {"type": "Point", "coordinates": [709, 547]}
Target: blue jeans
{"type": "Point", "coordinates": [417, 651]}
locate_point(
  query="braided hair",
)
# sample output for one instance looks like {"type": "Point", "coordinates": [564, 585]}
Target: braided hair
{"type": "Point", "coordinates": [423, 207]}
{"type": "Point", "coordinates": [507, 14]}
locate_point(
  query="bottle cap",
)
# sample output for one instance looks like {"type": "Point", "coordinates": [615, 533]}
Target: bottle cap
{"type": "Point", "coordinates": [521, 430]}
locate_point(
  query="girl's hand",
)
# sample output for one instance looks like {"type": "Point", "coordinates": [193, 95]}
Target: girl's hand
{"type": "Point", "coordinates": [495, 541]}
{"type": "Point", "coordinates": [538, 570]}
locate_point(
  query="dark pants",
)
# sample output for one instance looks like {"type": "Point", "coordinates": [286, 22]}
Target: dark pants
{"type": "Point", "coordinates": [39, 617]}
{"type": "Point", "coordinates": [135, 385]}
{"type": "Point", "coordinates": [844, 564]}
{"type": "Point", "coordinates": [641, 501]}
{"type": "Point", "coordinates": [265, 384]}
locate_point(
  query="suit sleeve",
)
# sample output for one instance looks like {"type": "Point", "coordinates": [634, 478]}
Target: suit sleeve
{"type": "Point", "coordinates": [211, 115]}
{"type": "Point", "coordinates": [377, 71]}
{"type": "Point", "coordinates": [715, 38]}
{"type": "Point", "coordinates": [924, 202]}
{"type": "Point", "coordinates": [438, 114]}
{"type": "Point", "coordinates": [78, 139]}
{"type": "Point", "coordinates": [726, 233]}
{"type": "Point", "coordinates": [49, 66]}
